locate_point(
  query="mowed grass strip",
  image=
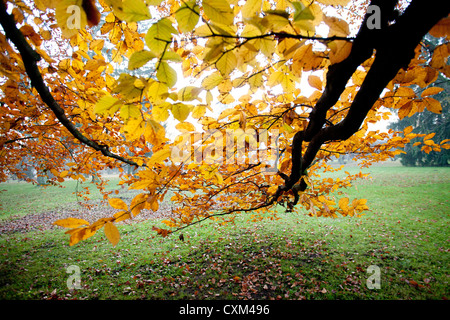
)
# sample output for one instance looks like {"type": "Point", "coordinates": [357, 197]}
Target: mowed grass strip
{"type": "Point", "coordinates": [405, 235]}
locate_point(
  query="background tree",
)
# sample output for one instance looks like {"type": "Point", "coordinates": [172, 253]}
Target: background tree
{"type": "Point", "coordinates": [253, 56]}
{"type": "Point", "coordinates": [428, 122]}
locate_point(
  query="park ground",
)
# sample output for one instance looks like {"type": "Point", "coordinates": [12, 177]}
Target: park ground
{"type": "Point", "coordinates": [405, 236]}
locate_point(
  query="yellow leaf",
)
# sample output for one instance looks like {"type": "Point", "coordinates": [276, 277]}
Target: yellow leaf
{"type": "Point", "coordinates": [112, 233]}
{"type": "Point", "coordinates": [343, 203]}
{"type": "Point", "coordinates": [160, 155]}
{"type": "Point", "coordinates": [64, 174]}
{"type": "Point", "coordinates": [160, 112]}
{"type": "Point", "coordinates": [334, 2]}
{"type": "Point", "coordinates": [218, 11]}
{"type": "Point", "coordinates": [71, 222]}
{"type": "Point", "coordinates": [156, 91]}
{"type": "Point", "coordinates": [187, 16]}
{"type": "Point", "coordinates": [138, 203]}
{"type": "Point", "coordinates": [154, 132]}
{"type": "Point", "coordinates": [134, 129]}
{"type": "Point", "coordinates": [129, 111]}
{"type": "Point", "coordinates": [185, 127]}
{"type": "Point", "coordinates": [189, 93]}
{"type": "Point", "coordinates": [212, 81]}
{"type": "Point", "coordinates": [117, 203]}
{"type": "Point", "coordinates": [431, 91]}
{"type": "Point", "coordinates": [405, 92]}
{"type": "Point", "coordinates": [198, 111]}
{"type": "Point", "coordinates": [80, 234]}
{"type": "Point", "coordinates": [315, 82]}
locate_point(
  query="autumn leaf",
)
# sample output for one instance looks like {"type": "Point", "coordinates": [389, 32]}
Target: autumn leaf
{"type": "Point", "coordinates": [112, 233]}
{"type": "Point", "coordinates": [315, 82]}
{"type": "Point", "coordinates": [160, 155]}
{"type": "Point", "coordinates": [166, 74]}
{"type": "Point", "coordinates": [187, 16]}
{"type": "Point", "coordinates": [180, 111]}
{"type": "Point", "coordinates": [159, 36]}
{"type": "Point", "coordinates": [431, 91]}
{"type": "Point", "coordinates": [219, 11]}
{"type": "Point", "coordinates": [118, 203]}
{"type": "Point", "coordinates": [107, 105]}
{"type": "Point", "coordinates": [140, 58]}
{"type": "Point", "coordinates": [244, 64]}
{"type": "Point", "coordinates": [71, 222]}
{"type": "Point", "coordinates": [131, 10]}
{"type": "Point", "coordinates": [433, 105]}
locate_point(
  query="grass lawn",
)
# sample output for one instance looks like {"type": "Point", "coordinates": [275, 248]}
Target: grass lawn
{"type": "Point", "coordinates": [405, 235]}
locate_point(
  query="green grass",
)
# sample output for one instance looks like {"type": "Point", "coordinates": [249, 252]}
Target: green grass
{"type": "Point", "coordinates": [296, 257]}
{"type": "Point", "coordinates": [21, 198]}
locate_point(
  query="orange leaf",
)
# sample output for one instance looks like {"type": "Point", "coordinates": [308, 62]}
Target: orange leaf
{"type": "Point", "coordinates": [431, 91]}
{"type": "Point", "coordinates": [80, 234]}
{"type": "Point", "coordinates": [405, 110]}
{"type": "Point", "coordinates": [117, 204]}
{"type": "Point", "coordinates": [315, 82]}
{"type": "Point", "coordinates": [112, 233]}
{"type": "Point", "coordinates": [407, 130]}
{"type": "Point", "coordinates": [433, 105]}
{"type": "Point", "coordinates": [122, 215]}
{"type": "Point", "coordinates": [71, 223]}
{"type": "Point", "coordinates": [163, 232]}
{"type": "Point", "coordinates": [429, 136]}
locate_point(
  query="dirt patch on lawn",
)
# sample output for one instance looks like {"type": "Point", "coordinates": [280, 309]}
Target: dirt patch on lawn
{"type": "Point", "coordinates": [44, 220]}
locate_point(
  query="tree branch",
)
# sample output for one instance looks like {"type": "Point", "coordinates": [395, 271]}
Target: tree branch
{"type": "Point", "coordinates": [394, 45]}
{"type": "Point", "coordinates": [30, 59]}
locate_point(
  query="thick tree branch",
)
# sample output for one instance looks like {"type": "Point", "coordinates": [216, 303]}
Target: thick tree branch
{"type": "Point", "coordinates": [394, 45]}
{"type": "Point", "coordinates": [30, 59]}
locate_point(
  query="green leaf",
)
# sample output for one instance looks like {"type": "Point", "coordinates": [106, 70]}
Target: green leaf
{"type": "Point", "coordinates": [129, 111]}
{"type": "Point", "coordinates": [189, 93]}
{"type": "Point", "coordinates": [107, 105]}
{"type": "Point", "coordinates": [187, 16]}
{"type": "Point", "coordinates": [251, 8]}
{"type": "Point", "coordinates": [212, 81]}
{"type": "Point", "coordinates": [131, 10]}
{"type": "Point", "coordinates": [302, 12]}
{"type": "Point", "coordinates": [172, 56]}
{"type": "Point", "coordinates": [180, 111]}
{"type": "Point", "coordinates": [219, 11]}
{"type": "Point", "coordinates": [166, 74]}
{"type": "Point", "coordinates": [226, 63]}
{"type": "Point", "coordinates": [159, 36]}
{"type": "Point", "coordinates": [140, 58]}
